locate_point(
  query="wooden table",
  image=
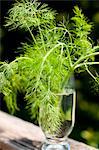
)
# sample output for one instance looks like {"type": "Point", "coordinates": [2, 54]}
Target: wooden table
{"type": "Point", "coordinates": [17, 134]}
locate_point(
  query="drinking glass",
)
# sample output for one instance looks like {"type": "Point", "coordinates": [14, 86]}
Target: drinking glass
{"type": "Point", "coordinates": [56, 119]}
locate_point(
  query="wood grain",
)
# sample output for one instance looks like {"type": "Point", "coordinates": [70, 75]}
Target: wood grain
{"type": "Point", "coordinates": [17, 134]}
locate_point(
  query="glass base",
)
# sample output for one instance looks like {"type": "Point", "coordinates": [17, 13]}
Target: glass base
{"type": "Point", "coordinates": [62, 146]}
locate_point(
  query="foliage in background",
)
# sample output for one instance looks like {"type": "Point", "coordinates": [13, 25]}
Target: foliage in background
{"type": "Point", "coordinates": [91, 136]}
{"type": "Point", "coordinates": [56, 50]}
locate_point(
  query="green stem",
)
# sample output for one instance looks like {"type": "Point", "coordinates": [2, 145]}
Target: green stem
{"type": "Point", "coordinates": [68, 54]}
{"type": "Point", "coordinates": [44, 59]}
{"type": "Point", "coordinates": [32, 35]}
{"type": "Point", "coordinates": [76, 64]}
{"type": "Point", "coordinates": [70, 61]}
{"type": "Point", "coordinates": [20, 58]}
{"type": "Point", "coordinates": [40, 32]}
{"type": "Point", "coordinates": [41, 37]}
{"type": "Point", "coordinates": [90, 73]}
{"type": "Point", "coordinates": [61, 60]}
{"type": "Point", "coordinates": [48, 53]}
{"type": "Point", "coordinates": [64, 29]}
{"type": "Point", "coordinates": [87, 63]}
{"type": "Point", "coordinates": [67, 77]}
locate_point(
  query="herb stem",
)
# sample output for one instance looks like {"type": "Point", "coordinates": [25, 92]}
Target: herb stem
{"type": "Point", "coordinates": [41, 37]}
{"type": "Point", "coordinates": [68, 53]}
{"type": "Point", "coordinates": [90, 73]}
{"type": "Point", "coordinates": [44, 59]}
{"type": "Point", "coordinates": [40, 32]}
{"type": "Point", "coordinates": [20, 58]}
{"type": "Point", "coordinates": [87, 63]}
{"type": "Point", "coordinates": [76, 64]}
{"type": "Point", "coordinates": [31, 35]}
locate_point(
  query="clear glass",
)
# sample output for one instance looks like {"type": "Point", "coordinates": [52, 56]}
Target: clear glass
{"type": "Point", "coordinates": [57, 119]}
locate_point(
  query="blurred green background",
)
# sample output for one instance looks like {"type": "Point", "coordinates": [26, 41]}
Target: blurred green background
{"type": "Point", "coordinates": [87, 107]}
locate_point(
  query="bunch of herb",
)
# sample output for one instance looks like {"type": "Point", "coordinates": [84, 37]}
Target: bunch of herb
{"type": "Point", "coordinates": [46, 63]}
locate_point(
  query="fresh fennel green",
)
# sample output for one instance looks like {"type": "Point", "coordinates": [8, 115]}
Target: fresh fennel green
{"type": "Point", "coordinates": [57, 51]}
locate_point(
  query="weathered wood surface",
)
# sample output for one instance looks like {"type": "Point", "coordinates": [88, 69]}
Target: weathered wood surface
{"type": "Point", "coordinates": [16, 134]}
